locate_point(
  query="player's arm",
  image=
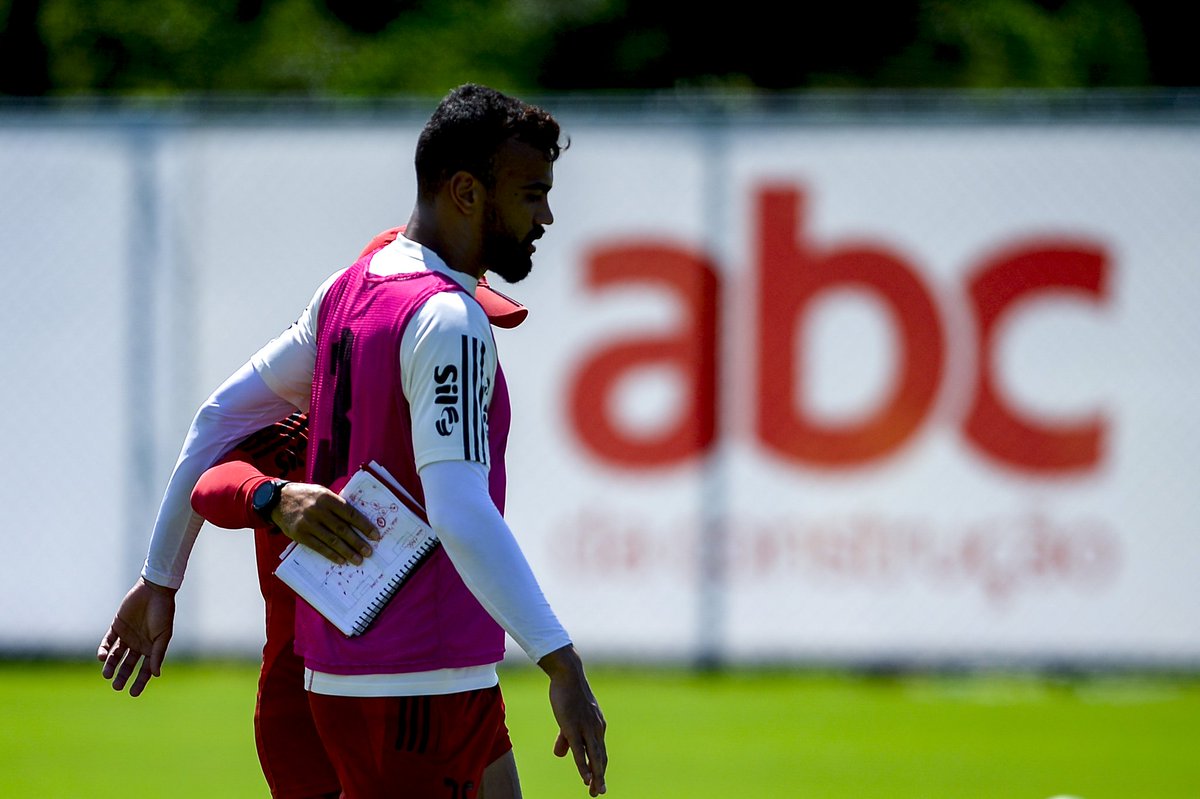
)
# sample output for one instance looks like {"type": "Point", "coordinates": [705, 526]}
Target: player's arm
{"type": "Point", "coordinates": [487, 557]}
{"type": "Point", "coordinates": [450, 339]}
{"type": "Point", "coordinates": [242, 405]}
{"type": "Point", "coordinates": [261, 391]}
{"type": "Point", "coordinates": [309, 514]}
{"type": "Point", "coordinates": [137, 638]}
{"type": "Point", "coordinates": [273, 383]}
{"type": "Point", "coordinates": [447, 353]}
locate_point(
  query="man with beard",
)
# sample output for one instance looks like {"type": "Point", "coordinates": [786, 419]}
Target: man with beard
{"type": "Point", "coordinates": [397, 362]}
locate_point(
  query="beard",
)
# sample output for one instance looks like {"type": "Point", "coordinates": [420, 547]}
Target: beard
{"type": "Point", "coordinates": [503, 253]}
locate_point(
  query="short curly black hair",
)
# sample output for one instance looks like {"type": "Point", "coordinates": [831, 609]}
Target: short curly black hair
{"type": "Point", "coordinates": [468, 127]}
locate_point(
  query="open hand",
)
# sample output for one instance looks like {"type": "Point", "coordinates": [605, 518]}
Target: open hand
{"type": "Point", "coordinates": [138, 636]}
{"type": "Point", "coordinates": [581, 725]}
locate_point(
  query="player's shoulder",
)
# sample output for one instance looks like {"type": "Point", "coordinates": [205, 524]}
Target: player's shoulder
{"type": "Point", "coordinates": [453, 311]}
{"type": "Point", "coordinates": [326, 286]}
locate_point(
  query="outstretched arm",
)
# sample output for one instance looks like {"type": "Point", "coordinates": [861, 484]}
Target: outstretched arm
{"type": "Point", "coordinates": [273, 383]}
{"type": "Point", "coordinates": [242, 405]}
{"type": "Point", "coordinates": [141, 630]}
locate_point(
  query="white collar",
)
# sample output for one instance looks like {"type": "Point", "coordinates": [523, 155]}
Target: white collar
{"type": "Point", "coordinates": [404, 256]}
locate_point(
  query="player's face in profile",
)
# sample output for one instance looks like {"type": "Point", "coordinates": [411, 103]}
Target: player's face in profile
{"type": "Point", "coordinates": [517, 210]}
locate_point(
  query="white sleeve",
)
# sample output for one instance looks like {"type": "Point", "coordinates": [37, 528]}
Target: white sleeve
{"type": "Point", "coordinates": [242, 405]}
{"type": "Point", "coordinates": [276, 380]}
{"type": "Point", "coordinates": [286, 362]}
{"type": "Point", "coordinates": [447, 371]}
{"type": "Point", "coordinates": [487, 557]}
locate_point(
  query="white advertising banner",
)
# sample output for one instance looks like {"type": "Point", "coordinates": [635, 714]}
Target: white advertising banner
{"type": "Point", "coordinates": [911, 393]}
{"type": "Point", "coordinates": [924, 387]}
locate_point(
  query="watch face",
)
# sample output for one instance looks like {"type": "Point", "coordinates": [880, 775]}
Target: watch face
{"type": "Point", "coordinates": [265, 496]}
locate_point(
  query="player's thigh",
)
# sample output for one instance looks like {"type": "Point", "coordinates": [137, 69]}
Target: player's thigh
{"type": "Point", "coordinates": [500, 780]}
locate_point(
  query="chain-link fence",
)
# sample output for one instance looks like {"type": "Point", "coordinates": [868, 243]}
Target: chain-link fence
{"type": "Point", "coordinates": [848, 379]}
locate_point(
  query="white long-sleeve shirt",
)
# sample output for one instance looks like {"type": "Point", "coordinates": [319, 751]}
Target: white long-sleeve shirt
{"type": "Point", "coordinates": [278, 379]}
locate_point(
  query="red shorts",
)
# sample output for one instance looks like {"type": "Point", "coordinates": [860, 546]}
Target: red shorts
{"type": "Point", "coordinates": [289, 749]}
{"type": "Point", "coordinates": [412, 746]}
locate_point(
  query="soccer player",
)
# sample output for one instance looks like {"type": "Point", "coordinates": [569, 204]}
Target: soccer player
{"type": "Point", "coordinates": [399, 365]}
{"type": "Point", "coordinates": [258, 485]}
{"type": "Point", "coordinates": [244, 490]}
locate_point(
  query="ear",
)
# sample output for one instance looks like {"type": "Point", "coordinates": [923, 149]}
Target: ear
{"type": "Point", "coordinates": [466, 192]}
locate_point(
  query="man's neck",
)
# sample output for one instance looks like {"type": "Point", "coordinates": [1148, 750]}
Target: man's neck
{"type": "Point", "coordinates": [448, 244]}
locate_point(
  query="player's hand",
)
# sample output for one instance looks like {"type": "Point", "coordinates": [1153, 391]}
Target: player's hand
{"type": "Point", "coordinates": [140, 631]}
{"type": "Point", "coordinates": [581, 725]}
{"type": "Point", "coordinates": [321, 520]}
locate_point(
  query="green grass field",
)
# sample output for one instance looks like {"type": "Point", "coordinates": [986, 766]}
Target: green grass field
{"type": "Point", "coordinates": [671, 734]}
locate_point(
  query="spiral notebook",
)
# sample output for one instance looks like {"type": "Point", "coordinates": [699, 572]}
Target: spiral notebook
{"type": "Point", "coordinates": [352, 596]}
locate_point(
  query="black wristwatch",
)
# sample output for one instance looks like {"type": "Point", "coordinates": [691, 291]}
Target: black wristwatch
{"type": "Point", "coordinates": [266, 497]}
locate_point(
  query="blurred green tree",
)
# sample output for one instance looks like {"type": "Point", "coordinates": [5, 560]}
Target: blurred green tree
{"type": "Point", "coordinates": [422, 47]}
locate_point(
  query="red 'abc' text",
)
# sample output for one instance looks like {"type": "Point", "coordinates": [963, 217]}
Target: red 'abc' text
{"type": "Point", "coordinates": [797, 271]}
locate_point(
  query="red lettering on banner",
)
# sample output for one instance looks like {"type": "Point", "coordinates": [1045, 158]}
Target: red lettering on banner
{"type": "Point", "coordinates": [999, 556]}
{"type": "Point", "coordinates": [690, 350]}
{"type": "Point", "coordinates": [792, 274]}
{"type": "Point", "coordinates": [993, 426]}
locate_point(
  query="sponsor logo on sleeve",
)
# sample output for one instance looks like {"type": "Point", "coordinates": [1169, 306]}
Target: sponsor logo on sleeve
{"type": "Point", "coordinates": [445, 397]}
{"type": "Point", "coordinates": [462, 394]}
